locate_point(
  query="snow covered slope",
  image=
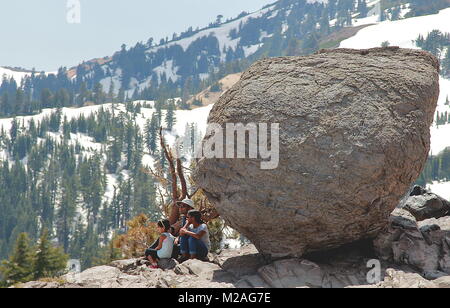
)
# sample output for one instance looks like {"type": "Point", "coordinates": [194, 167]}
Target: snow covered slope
{"type": "Point", "coordinates": [16, 74]}
{"type": "Point", "coordinates": [8, 73]}
{"type": "Point", "coordinates": [400, 33]}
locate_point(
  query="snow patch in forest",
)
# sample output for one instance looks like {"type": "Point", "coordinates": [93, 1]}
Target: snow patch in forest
{"type": "Point", "coordinates": [168, 69]}
{"type": "Point", "coordinates": [249, 50]}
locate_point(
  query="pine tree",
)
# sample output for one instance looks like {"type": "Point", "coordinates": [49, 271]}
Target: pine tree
{"type": "Point", "coordinates": [129, 142]}
{"type": "Point", "coordinates": [121, 96]}
{"type": "Point", "coordinates": [151, 134]}
{"type": "Point", "coordinates": [110, 253]}
{"type": "Point", "coordinates": [362, 8]}
{"type": "Point", "coordinates": [14, 131]}
{"type": "Point", "coordinates": [83, 94]}
{"type": "Point", "coordinates": [170, 115]}
{"type": "Point", "coordinates": [446, 64]}
{"type": "Point", "coordinates": [420, 41]}
{"type": "Point", "coordinates": [99, 95]}
{"type": "Point", "coordinates": [348, 19]}
{"type": "Point", "coordinates": [158, 109]}
{"type": "Point", "coordinates": [325, 23]}
{"type": "Point", "coordinates": [111, 95]}
{"type": "Point", "coordinates": [395, 13]}
{"type": "Point", "coordinates": [65, 214]}
{"type": "Point", "coordinates": [50, 261]}
{"type": "Point", "coordinates": [332, 4]}
{"type": "Point", "coordinates": [114, 155]}
{"type": "Point", "coordinates": [19, 268]}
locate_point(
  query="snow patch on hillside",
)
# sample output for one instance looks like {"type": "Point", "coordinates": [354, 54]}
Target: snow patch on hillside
{"type": "Point", "coordinates": [7, 73]}
{"type": "Point", "coordinates": [402, 33]}
{"type": "Point", "coordinates": [168, 69]}
{"type": "Point", "coordinates": [440, 135]}
{"type": "Point", "coordinates": [221, 33]}
{"type": "Point", "coordinates": [16, 75]}
{"type": "Point", "coordinates": [249, 50]}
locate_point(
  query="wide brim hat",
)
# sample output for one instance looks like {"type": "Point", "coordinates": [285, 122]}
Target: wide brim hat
{"type": "Point", "coordinates": [188, 202]}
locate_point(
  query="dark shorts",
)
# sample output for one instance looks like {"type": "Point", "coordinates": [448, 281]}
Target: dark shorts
{"type": "Point", "coordinates": [152, 253]}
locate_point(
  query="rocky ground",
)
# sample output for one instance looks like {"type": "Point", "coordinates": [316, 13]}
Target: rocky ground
{"type": "Point", "coordinates": [413, 252]}
{"type": "Point", "coordinates": [243, 268]}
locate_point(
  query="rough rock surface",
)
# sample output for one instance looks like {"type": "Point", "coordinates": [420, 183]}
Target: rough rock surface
{"type": "Point", "coordinates": [423, 245]}
{"type": "Point", "coordinates": [398, 279]}
{"type": "Point", "coordinates": [427, 205]}
{"type": "Point", "coordinates": [354, 135]}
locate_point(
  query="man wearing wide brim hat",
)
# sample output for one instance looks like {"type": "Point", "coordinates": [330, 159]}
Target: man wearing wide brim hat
{"type": "Point", "coordinates": [184, 206]}
{"type": "Point", "coordinates": [186, 203]}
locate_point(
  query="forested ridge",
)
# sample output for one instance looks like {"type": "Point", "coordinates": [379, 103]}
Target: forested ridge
{"type": "Point", "coordinates": [50, 180]}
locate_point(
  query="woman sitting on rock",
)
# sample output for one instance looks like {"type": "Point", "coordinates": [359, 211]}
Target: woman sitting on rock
{"type": "Point", "coordinates": [164, 247]}
{"type": "Point", "coordinates": [194, 237]}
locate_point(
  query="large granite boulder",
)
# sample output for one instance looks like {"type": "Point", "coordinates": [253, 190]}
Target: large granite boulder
{"type": "Point", "coordinates": [354, 135]}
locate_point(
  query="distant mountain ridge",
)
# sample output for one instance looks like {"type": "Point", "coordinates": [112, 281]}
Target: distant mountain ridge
{"type": "Point", "coordinates": [191, 61]}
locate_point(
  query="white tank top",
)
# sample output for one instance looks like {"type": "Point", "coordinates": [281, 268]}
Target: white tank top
{"type": "Point", "coordinates": [167, 247]}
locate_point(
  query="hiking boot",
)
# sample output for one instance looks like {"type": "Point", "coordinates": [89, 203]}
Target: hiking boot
{"type": "Point", "coordinates": [182, 259]}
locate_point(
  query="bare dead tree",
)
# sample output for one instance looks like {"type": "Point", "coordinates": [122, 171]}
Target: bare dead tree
{"type": "Point", "coordinates": [176, 193]}
{"type": "Point", "coordinates": [174, 213]}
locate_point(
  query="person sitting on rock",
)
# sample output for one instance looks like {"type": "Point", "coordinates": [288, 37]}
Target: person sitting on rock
{"type": "Point", "coordinates": [164, 247]}
{"type": "Point", "coordinates": [184, 207]}
{"type": "Point", "coordinates": [194, 237]}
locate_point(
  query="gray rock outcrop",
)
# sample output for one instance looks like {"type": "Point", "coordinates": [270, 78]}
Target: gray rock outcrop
{"type": "Point", "coordinates": [418, 235]}
{"type": "Point", "coordinates": [427, 205]}
{"type": "Point", "coordinates": [354, 134]}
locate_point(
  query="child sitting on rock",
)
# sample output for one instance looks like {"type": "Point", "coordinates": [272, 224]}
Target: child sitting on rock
{"type": "Point", "coordinates": [164, 247]}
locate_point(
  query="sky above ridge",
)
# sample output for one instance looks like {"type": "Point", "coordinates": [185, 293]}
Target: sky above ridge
{"type": "Point", "coordinates": [47, 34]}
